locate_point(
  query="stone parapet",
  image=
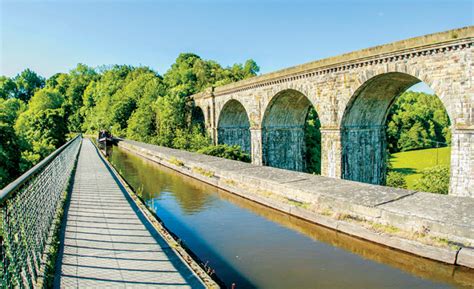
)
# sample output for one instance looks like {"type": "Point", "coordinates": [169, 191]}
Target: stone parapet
{"type": "Point", "coordinates": [422, 45]}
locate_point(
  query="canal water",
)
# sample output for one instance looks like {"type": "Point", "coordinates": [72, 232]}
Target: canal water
{"type": "Point", "coordinates": [257, 247]}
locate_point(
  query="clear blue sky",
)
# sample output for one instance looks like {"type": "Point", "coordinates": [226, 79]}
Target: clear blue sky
{"type": "Point", "coordinates": [53, 36]}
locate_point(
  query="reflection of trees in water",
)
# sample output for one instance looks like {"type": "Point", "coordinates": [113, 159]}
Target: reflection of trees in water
{"type": "Point", "coordinates": [153, 180]}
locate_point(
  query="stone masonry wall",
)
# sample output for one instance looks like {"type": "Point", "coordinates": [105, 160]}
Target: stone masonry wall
{"type": "Point", "coordinates": [443, 61]}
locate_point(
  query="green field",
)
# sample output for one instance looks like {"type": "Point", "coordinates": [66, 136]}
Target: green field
{"type": "Point", "coordinates": [412, 162]}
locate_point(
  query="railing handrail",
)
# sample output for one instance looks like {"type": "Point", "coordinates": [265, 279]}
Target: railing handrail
{"type": "Point", "coordinates": [10, 189]}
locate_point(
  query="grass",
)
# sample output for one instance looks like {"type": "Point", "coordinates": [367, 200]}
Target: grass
{"type": "Point", "coordinates": [176, 162]}
{"type": "Point", "coordinates": [412, 162]}
{"type": "Point", "coordinates": [296, 203]}
{"type": "Point", "coordinates": [203, 172]}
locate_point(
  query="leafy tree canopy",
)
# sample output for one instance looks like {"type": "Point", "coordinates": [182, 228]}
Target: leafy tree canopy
{"type": "Point", "coordinates": [8, 88]}
{"type": "Point", "coordinates": [9, 147]}
{"type": "Point", "coordinates": [417, 120]}
{"type": "Point", "coordinates": [27, 82]}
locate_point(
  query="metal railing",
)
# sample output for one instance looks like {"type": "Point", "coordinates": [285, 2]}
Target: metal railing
{"type": "Point", "coordinates": [28, 207]}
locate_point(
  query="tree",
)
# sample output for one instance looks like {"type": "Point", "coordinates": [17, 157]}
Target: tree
{"type": "Point", "coordinates": [72, 86]}
{"type": "Point", "coordinates": [142, 87]}
{"type": "Point", "coordinates": [142, 124]}
{"type": "Point", "coordinates": [193, 139]}
{"type": "Point", "coordinates": [27, 83]}
{"type": "Point", "coordinates": [9, 145]}
{"type": "Point", "coordinates": [42, 127]}
{"type": "Point", "coordinates": [434, 180]}
{"type": "Point", "coordinates": [97, 97]}
{"type": "Point", "coordinates": [417, 120]}
{"type": "Point", "coordinates": [135, 102]}
{"type": "Point", "coordinates": [188, 75]}
{"type": "Point", "coordinates": [8, 88]}
{"type": "Point", "coordinates": [170, 117]}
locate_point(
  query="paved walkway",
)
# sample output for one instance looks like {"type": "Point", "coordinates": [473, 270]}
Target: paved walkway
{"type": "Point", "coordinates": [107, 242]}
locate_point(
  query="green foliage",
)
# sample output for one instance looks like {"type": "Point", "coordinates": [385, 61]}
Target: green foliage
{"type": "Point", "coordinates": [27, 83]}
{"type": "Point", "coordinates": [41, 128]}
{"type": "Point", "coordinates": [22, 86]}
{"type": "Point", "coordinates": [191, 74]}
{"type": "Point", "coordinates": [170, 117]}
{"type": "Point", "coordinates": [72, 86]}
{"type": "Point", "coordinates": [198, 139]}
{"type": "Point", "coordinates": [9, 147]}
{"type": "Point", "coordinates": [141, 124]}
{"type": "Point", "coordinates": [417, 120]}
{"type": "Point", "coordinates": [396, 180]}
{"type": "Point", "coordinates": [226, 151]}
{"type": "Point", "coordinates": [141, 88]}
{"type": "Point", "coordinates": [98, 97]}
{"type": "Point", "coordinates": [192, 140]}
{"type": "Point", "coordinates": [134, 102]}
{"type": "Point", "coordinates": [8, 87]}
{"type": "Point", "coordinates": [110, 101]}
{"type": "Point", "coordinates": [412, 163]}
{"type": "Point", "coordinates": [312, 137]}
{"type": "Point", "coordinates": [434, 180]}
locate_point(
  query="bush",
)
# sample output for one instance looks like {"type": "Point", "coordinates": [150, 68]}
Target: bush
{"type": "Point", "coordinates": [226, 151]}
{"type": "Point", "coordinates": [434, 180]}
{"type": "Point", "coordinates": [192, 140]}
{"type": "Point", "coordinates": [396, 180]}
{"type": "Point", "coordinates": [198, 139]}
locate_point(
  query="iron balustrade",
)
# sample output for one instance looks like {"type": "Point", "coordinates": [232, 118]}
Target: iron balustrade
{"type": "Point", "coordinates": [28, 208]}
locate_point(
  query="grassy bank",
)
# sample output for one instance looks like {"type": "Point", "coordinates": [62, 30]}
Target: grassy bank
{"type": "Point", "coordinates": [412, 162]}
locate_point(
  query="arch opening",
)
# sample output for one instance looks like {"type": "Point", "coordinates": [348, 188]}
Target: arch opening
{"type": "Point", "coordinates": [234, 126]}
{"type": "Point", "coordinates": [197, 119]}
{"type": "Point", "coordinates": [385, 116]}
{"type": "Point", "coordinates": [290, 133]}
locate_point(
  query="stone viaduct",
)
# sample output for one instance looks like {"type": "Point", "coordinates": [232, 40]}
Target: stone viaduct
{"type": "Point", "coordinates": [352, 94]}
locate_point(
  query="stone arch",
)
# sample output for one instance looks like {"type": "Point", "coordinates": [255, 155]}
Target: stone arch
{"type": "Point", "coordinates": [363, 137]}
{"type": "Point", "coordinates": [234, 126]}
{"type": "Point", "coordinates": [283, 124]}
{"type": "Point", "coordinates": [198, 118]}
{"type": "Point", "coordinates": [364, 78]}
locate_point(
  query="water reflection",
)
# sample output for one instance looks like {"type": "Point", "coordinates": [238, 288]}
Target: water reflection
{"type": "Point", "coordinates": [255, 246]}
{"type": "Point", "coordinates": [152, 186]}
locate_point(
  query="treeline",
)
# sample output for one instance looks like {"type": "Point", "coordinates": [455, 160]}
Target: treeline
{"type": "Point", "coordinates": [37, 114]}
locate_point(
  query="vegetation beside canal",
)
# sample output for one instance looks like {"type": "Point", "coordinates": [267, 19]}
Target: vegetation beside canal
{"type": "Point", "coordinates": [36, 113]}
{"type": "Point", "coordinates": [415, 165]}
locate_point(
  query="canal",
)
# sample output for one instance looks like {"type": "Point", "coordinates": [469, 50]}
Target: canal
{"type": "Point", "coordinates": [257, 247]}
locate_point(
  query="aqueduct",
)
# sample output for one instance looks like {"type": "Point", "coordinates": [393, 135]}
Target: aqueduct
{"type": "Point", "coordinates": [351, 94]}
